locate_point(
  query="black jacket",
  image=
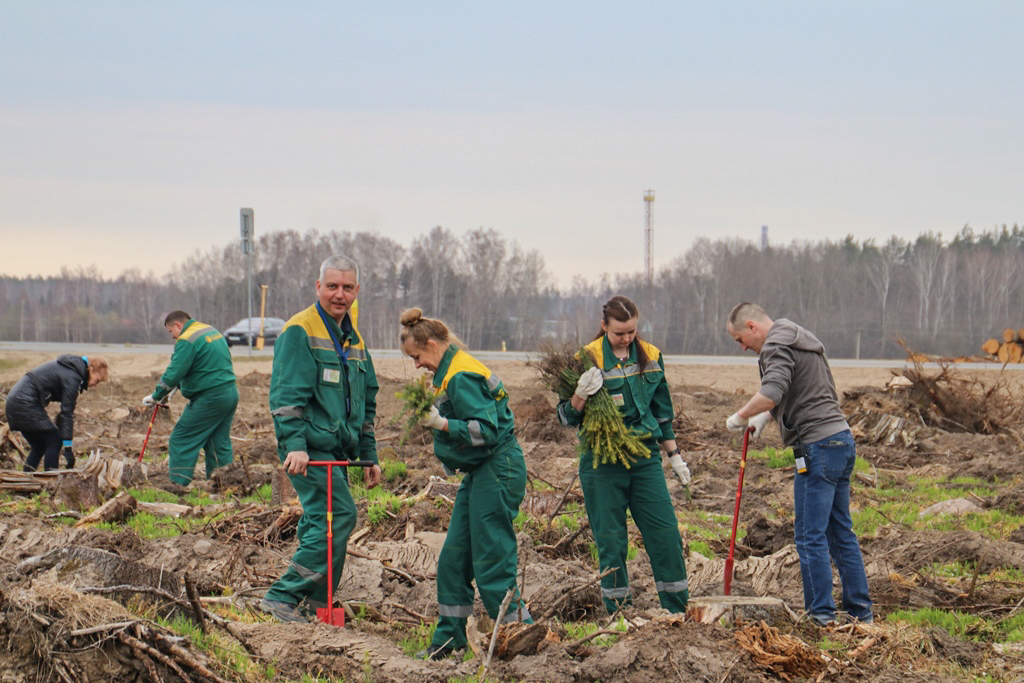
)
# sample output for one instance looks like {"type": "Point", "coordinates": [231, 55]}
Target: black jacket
{"type": "Point", "coordinates": [59, 380]}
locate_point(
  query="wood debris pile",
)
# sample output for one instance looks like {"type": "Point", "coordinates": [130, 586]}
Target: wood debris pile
{"type": "Point", "coordinates": [1009, 350]}
{"type": "Point", "coordinates": [951, 401]}
{"type": "Point", "coordinates": [78, 637]}
{"type": "Point", "coordinates": [786, 656]}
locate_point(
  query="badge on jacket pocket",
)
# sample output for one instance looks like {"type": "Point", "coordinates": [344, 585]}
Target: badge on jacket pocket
{"type": "Point", "coordinates": [618, 400]}
{"type": "Point", "coordinates": [332, 375]}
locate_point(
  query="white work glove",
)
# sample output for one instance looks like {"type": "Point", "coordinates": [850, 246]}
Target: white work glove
{"type": "Point", "coordinates": [148, 400]}
{"type": "Point", "coordinates": [433, 419]}
{"type": "Point", "coordinates": [735, 423]}
{"type": "Point", "coordinates": [680, 468]}
{"type": "Point", "coordinates": [758, 422]}
{"type": "Point", "coordinates": [590, 383]}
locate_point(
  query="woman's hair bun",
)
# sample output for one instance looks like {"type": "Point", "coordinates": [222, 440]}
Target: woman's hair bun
{"type": "Point", "coordinates": [411, 317]}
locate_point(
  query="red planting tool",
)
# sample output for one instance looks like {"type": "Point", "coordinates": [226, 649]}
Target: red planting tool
{"type": "Point", "coordinates": [331, 614]}
{"type": "Point", "coordinates": [152, 418]}
{"type": "Point", "coordinates": [736, 512]}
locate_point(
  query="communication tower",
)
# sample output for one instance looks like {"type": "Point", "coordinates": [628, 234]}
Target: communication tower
{"type": "Point", "coordinates": [648, 236]}
{"type": "Point", "coordinates": [764, 237]}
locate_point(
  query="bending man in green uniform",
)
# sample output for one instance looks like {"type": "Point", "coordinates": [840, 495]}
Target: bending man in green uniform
{"type": "Point", "coordinates": [633, 372]}
{"type": "Point", "coordinates": [201, 367]}
{"type": "Point", "coordinates": [323, 396]}
{"type": "Point", "coordinates": [473, 433]}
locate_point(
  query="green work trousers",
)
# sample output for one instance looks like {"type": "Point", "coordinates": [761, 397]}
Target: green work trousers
{"type": "Point", "coordinates": [608, 491]}
{"type": "Point", "coordinates": [306, 576]}
{"type": "Point", "coordinates": [481, 545]}
{"type": "Point", "coordinates": [204, 424]}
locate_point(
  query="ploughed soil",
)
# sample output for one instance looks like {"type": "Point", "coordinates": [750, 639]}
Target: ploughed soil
{"type": "Point", "coordinates": [84, 602]}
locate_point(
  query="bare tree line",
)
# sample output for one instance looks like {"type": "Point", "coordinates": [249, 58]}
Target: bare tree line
{"type": "Point", "coordinates": [942, 297]}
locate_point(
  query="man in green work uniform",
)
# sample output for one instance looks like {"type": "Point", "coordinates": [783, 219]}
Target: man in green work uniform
{"type": "Point", "coordinates": [201, 367]}
{"type": "Point", "coordinates": [323, 396]}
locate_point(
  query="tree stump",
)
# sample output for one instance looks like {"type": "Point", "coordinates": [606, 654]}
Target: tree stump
{"type": "Point", "coordinates": [522, 639]}
{"type": "Point", "coordinates": [77, 490]}
{"type": "Point", "coordinates": [117, 509]}
{"type": "Point", "coordinates": [281, 490]}
{"type": "Point", "coordinates": [731, 609]}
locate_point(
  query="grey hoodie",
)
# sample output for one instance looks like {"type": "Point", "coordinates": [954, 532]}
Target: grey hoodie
{"type": "Point", "coordinates": [796, 376]}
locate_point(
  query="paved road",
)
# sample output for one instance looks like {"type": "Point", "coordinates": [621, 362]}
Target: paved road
{"type": "Point", "coordinates": [56, 348]}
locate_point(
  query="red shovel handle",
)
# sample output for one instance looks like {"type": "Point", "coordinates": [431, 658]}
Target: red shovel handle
{"type": "Point", "coordinates": [152, 419]}
{"type": "Point", "coordinates": [736, 512]}
{"type": "Point", "coordinates": [328, 614]}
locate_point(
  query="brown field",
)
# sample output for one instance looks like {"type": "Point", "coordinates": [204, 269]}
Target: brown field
{"type": "Point", "coordinates": [54, 631]}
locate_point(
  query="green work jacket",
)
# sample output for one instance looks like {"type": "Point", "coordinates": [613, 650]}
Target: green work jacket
{"type": "Point", "coordinates": [201, 360]}
{"type": "Point", "coordinates": [641, 394]}
{"type": "Point", "coordinates": [319, 402]}
{"type": "Point", "coordinates": [475, 403]}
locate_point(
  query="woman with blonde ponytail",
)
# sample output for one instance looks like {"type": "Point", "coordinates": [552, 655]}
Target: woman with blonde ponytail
{"type": "Point", "coordinates": [473, 432]}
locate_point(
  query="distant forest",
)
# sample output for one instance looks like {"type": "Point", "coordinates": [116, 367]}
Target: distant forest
{"type": "Point", "coordinates": [941, 297]}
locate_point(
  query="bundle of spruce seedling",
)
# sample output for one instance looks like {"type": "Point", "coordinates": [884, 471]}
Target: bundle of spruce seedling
{"type": "Point", "coordinates": [417, 397]}
{"type": "Point", "coordinates": [603, 432]}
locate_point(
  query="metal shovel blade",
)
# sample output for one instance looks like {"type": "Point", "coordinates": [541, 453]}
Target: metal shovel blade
{"type": "Point", "coordinates": [335, 616]}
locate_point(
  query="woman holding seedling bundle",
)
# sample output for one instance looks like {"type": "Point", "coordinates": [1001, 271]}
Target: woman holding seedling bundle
{"type": "Point", "coordinates": [633, 373]}
{"type": "Point", "coordinates": [473, 434]}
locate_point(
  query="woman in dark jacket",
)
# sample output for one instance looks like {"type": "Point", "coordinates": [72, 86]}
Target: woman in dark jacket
{"type": "Point", "coordinates": [59, 380]}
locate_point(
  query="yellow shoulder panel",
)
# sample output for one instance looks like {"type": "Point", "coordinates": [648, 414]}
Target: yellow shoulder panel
{"type": "Point", "coordinates": [596, 349]}
{"type": "Point", "coordinates": [652, 351]}
{"type": "Point", "coordinates": [463, 362]}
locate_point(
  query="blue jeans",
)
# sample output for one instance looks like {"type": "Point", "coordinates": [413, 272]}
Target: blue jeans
{"type": "Point", "coordinates": [823, 527]}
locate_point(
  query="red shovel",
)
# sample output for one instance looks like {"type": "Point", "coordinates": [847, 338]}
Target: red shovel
{"type": "Point", "coordinates": [331, 614]}
{"type": "Point", "coordinates": [736, 512]}
{"type": "Point", "coordinates": [152, 419]}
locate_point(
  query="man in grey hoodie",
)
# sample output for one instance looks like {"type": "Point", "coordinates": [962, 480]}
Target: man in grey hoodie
{"type": "Point", "coordinates": [797, 390]}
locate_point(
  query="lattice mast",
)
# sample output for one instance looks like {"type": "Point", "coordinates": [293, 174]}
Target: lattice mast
{"type": "Point", "coordinates": [649, 236]}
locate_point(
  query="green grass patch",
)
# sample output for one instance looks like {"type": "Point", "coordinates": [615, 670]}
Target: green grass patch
{"type": "Point", "coordinates": [226, 651]}
{"type": "Point", "coordinates": [570, 520]}
{"type": "Point", "coordinates": [901, 501]}
{"type": "Point", "coordinates": [707, 526]}
{"type": "Point", "coordinates": [774, 458]}
{"type": "Point", "coordinates": [524, 522]}
{"type": "Point", "coordinates": [702, 548]}
{"type": "Point", "coordinates": [198, 498]}
{"type": "Point", "coordinates": [578, 630]}
{"type": "Point", "coordinates": [957, 624]}
{"type": "Point", "coordinates": [153, 496]}
{"type": "Point", "coordinates": [393, 470]}
{"type": "Point", "coordinates": [149, 526]}
{"type": "Point", "coordinates": [383, 508]}
{"type": "Point", "coordinates": [261, 495]}
{"type": "Point", "coordinates": [418, 639]}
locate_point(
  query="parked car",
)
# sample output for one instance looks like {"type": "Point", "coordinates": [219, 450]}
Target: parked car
{"type": "Point", "coordinates": [239, 332]}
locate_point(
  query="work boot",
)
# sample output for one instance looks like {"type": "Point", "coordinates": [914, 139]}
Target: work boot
{"type": "Point", "coordinates": [283, 611]}
{"type": "Point", "coordinates": [436, 652]}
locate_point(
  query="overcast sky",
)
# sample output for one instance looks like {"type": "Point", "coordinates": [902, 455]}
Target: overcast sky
{"type": "Point", "coordinates": [131, 132]}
